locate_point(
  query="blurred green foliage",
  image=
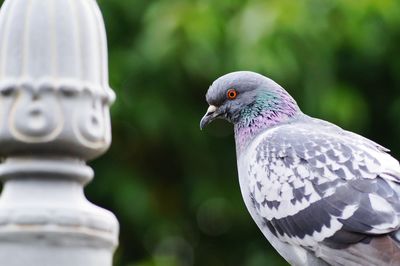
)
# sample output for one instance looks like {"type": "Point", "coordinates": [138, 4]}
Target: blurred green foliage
{"type": "Point", "coordinates": [174, 188]}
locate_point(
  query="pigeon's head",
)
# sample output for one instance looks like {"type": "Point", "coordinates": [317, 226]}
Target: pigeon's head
{"type": "Point", "coordinates": [244, 95]}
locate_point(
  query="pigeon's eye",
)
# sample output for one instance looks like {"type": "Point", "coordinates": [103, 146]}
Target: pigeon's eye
{"type": "Point", "coordinates": [231, 94]}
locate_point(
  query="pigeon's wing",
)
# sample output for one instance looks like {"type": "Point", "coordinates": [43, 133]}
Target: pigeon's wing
{"type": "Point", "coordinates": [348, 135]}
{"type": "Point", "coordinates": [312, 186]}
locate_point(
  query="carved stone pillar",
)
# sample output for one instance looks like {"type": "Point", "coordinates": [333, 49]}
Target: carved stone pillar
{"type": "Point", "coordinates": [54, 115]}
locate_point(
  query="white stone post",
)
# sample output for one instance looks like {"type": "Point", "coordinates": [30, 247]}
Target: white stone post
{"type": "Point", "coordinates": [54, 116]}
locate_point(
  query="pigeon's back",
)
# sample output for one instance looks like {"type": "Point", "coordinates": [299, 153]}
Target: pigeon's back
{"type": "Point", "coordinates": [322, 195]}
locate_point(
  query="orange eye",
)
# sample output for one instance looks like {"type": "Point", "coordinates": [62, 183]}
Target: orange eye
{"type": "Point", "coordinates": [232, 93]}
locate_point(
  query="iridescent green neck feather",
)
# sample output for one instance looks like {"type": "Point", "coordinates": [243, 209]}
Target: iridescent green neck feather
{"type": "Point", "coordinates": [268, 109]}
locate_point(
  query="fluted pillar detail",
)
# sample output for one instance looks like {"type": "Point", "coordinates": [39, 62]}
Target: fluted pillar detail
{"type": "Point", "coordinates": [54, 116]}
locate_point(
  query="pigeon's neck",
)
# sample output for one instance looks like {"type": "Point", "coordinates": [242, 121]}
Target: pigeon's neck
{"type": "Point", "coordinates": [263, 114]}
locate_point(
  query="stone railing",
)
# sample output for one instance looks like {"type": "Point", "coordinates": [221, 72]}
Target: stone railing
{"type": "Point", "coordinates": [54, 115]}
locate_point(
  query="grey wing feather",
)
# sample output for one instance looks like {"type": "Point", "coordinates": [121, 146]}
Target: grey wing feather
{"type": "Point", "coordinates": [353, 137]}
{"type": "Point", "coordinates": [313, 186]}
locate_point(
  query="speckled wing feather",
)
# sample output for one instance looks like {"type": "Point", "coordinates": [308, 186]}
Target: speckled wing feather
{"type": "Point", "coordinates": [315, 184]}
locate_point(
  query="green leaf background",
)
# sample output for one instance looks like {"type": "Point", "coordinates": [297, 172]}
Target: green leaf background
{"type": "Point", "coordinates": [174, 188]}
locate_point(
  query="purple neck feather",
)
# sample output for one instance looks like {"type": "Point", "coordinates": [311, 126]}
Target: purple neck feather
{"type": "Point", "coordinates": [265, 113]}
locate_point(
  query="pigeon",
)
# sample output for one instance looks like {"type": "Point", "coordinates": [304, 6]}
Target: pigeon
{"type": "Point", "coordinates": [321, 195]}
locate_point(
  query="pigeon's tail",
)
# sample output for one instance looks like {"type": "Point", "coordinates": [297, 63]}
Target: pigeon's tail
{"type": "Point", "coordinates": [378, 250]}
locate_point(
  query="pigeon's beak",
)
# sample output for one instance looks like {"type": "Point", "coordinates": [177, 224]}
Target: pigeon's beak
{"type": "Point", "coordinates": [210, 115]}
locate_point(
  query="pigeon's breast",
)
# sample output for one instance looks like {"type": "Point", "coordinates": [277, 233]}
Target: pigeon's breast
{"type": "Point", "coordinates": [293, 254]}
{"type": "Point", "coordinates": [272, 186]}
